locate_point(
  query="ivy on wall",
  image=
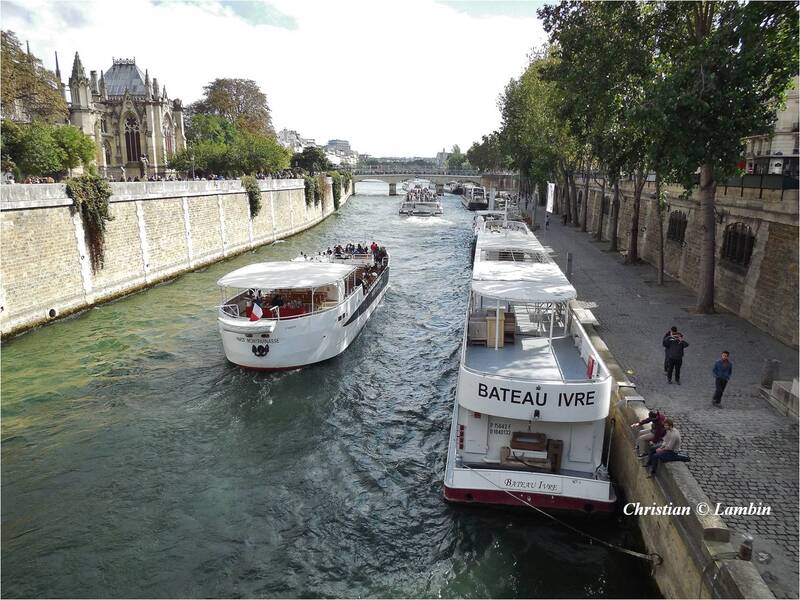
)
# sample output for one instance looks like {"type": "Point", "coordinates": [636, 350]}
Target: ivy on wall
{"type": "Point", "coordinates": [90, 194]}
{"type": "Point", "coordinates": [337, 188]}
{"type": "Point", "coordinates": [319, 192]}
{"type": "Point", "coordinates": [250, 184]}
{"type": "Point", "coordinates": [311, 189]}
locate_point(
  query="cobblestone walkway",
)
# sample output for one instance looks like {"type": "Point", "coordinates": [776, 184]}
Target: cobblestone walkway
{"type": "Point", "coordinates": [743, 452]}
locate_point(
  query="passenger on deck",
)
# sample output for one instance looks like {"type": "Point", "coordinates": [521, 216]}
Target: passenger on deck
{"type": "Point", "coordinates": [374, 247]}
{"type": "Point", "coordinates": [276, 301]}
{"type": "Point", "coordinates": [329, 251]}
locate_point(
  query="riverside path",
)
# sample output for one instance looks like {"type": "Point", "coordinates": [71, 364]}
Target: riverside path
{"type": "Point", "coordinates": [742, 452]}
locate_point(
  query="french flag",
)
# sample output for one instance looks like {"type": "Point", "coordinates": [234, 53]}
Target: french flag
{"type": "Point", "coordinates": [256, 313]}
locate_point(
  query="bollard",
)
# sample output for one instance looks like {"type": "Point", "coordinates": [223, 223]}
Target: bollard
{"type": "Point", "coordinates": [569, 266]}
{"type": "Point", "coordinates": [770, 372]}
{"type": "Point", "coordinates": [746, 548]}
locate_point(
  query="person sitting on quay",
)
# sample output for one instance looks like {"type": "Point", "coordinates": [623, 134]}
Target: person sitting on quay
{"type": "Point", "coordinates": [652, 436]}
{"type": "Point", "coordinates": [667, 451]}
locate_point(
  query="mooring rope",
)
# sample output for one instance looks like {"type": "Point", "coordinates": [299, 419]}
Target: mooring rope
{"type": "Point", "coordinates": [653, 558]}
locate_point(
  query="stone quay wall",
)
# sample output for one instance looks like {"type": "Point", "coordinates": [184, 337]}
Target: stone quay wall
{"type": "Point", "coordinates": [765, 292]}
{"type": "Point", "coordinates": [160, 229]}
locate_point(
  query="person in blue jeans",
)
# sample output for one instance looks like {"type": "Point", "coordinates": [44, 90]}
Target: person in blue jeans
{"type": "Point", "coordinates": [667, 451]}
{"type": "Point", "coordinates": [723, 369]}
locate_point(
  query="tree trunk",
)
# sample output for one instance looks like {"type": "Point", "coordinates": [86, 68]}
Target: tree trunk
{"type": "Point", "coordinates": [614, 247]}
{"type": "Point", "coordinates": [585, 216]}
{"type": "Point", "coordinates": [633, 243]}
{"type": "Point", "coordinates": [574, 194]}
{"type": "Point", "coordinates": [599, 235]}
{"type": "Point", "coordinates": [705, 287]}
{"type": "Point", "coordinates": [660, 217]}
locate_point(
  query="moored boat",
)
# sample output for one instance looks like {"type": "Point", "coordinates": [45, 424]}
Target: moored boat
{"type": "Point", "coordinates": [474, 198]}
{"type": "Point", "coordinates": [285, 315]}
{"type": "Point", "coordinates": [533, 394]}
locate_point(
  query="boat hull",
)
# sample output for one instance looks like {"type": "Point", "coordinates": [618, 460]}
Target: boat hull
{"type": "Point", "coordinates": [474, 205]}
{"type": "Point", "coordinates": [526, 500]}
{"type": "Point", "coordinates": [302, 341]}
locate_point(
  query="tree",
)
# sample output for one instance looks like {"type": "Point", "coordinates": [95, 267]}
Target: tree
{"type": "Point", "coordinates": [240, 101]}
{"type": "Point", "coordinates": [38, 152]}
{"type": "Point", "coordinates": [28, 91]}
{"type": "Point", "coordinates": [456, 159]}
{"type": "Point", "coordinates": [727, 68]}
{"type": "Point", "coordinates": [258, 153]}
{"type": "Point", "coordinates": [312, 159]}
{"type": "Point", "coordinates": [77, 148]}
{"type": "Point", "coordinates": [487, 154]}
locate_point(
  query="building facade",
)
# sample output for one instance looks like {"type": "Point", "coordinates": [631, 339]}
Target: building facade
{"type": "Point", "coordinates": [779, 152]}
{"type": "Point", "coordinates": [135, 125]}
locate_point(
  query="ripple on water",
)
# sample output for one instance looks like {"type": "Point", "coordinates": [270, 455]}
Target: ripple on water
{"type": "Point", "coordinates": [129, 440]}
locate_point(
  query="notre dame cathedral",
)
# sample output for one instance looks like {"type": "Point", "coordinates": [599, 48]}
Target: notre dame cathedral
{"type": "Point", "coordinates": [136, 127]}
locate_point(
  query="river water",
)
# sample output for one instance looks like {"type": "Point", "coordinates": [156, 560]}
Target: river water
{"type": "Point", "coordinates": [136, 462]}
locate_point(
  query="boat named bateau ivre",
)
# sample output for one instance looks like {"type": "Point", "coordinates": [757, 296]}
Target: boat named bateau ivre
{"type": "Point", "coordinates": [533, 394]}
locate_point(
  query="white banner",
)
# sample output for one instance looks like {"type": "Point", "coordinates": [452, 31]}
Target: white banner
{"type": "Point", "coordinates": [551, 193]}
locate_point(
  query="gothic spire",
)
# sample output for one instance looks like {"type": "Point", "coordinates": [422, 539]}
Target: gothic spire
{"type": "Point", "coordinates": [148, 89]}
{"type": "Point", "coordinates": [155, 87]}
{"type": "Point", "coordinates": [58, 71]}
{"type": "Point", "coordinates": [77, 68]}
{"type": "Point", "coordinates": [164, 92]}
{"type": "Point", "coordinates": [103, 92]}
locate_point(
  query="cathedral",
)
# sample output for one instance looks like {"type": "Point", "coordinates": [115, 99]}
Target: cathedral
{"type": "Point", "coordinates": [134, 124]}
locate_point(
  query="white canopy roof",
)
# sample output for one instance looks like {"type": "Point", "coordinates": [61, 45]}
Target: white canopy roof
{"type": "Point", "coordinates": [507, 239]}
{"type": "Point", "coordinates": [521, 282]}
{"type": "Point", "coordinates": [274, 275]}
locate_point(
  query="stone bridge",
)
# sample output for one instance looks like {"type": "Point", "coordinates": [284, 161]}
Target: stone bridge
{"type": "Point", "coordinates": [491, 181]}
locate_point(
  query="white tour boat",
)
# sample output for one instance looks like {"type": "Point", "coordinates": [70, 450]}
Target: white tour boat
{"type": "Point", "coordinates": [421, 202]}
{"type": "Point", "coordinates": [285, 315]}
{"type": "Point", "coordinates": [533, 394]}
{"type": "Point", "coordinates": [474, 198]}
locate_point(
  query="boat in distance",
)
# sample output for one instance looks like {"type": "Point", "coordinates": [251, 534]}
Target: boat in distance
{"type": "Point", "coordinates": [289, 314]}
{"type": "Point", "coordinates": [474, 198]}
{"type": "Point", "coordinates": [421, 202]}
{"type": "Point", "coordinates": [533, 394]}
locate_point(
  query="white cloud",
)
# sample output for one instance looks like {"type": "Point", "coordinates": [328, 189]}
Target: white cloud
{"type": "Point", "coordinates": [394, 78]}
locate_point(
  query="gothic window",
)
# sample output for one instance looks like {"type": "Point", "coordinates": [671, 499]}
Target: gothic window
{"type": "Point", "coordinates": [133, 147]}
{"type": "Point", "coordinates": [169, 138]}
{"type": "Point", "coordinates": [737, 244]}
{"type": "Point", "coordinates": [107, 151]}
{"type": "Point", "coordinates": [676, 230]}
{"type": "Point", "coordinates": [103, 125]}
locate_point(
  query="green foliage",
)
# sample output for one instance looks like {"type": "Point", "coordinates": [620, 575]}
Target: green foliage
{"type": "Point", "coordinates": [456, 159]}
{"type": "Point", "coordinates": [312, 160]}
{"type": "Point", "coordinates": [90, 194]}
{"type": "Point", "coordinates": [238, 101]}
{"type": "Point", "coordinates": [40, 149]}
{"type": "Point", "coordinates": [311, 189]}
{"type": "Point", "coordinates": [347, 180]}
{"type": "Point", "coordinates": [319, 191]}
{"type": "Point", "coordinates": [488, 154]}
{"type": "Point", "coordinates": [27, 90]}
{"type": "Point", "coordinates": [250, 184]}
{"type": "Point", "coordinates": [219, 147]}
{"type": "Point", "coordinates": [77, 147]}
{"type": "Point", "coordinates": [337, 187]}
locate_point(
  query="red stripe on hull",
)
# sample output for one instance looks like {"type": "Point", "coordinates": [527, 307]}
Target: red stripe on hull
{"type": "Point", "coordinates": [543, 501]}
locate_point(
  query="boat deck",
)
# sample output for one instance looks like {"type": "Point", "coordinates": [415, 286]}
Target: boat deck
{"type": "Point", "coordinates": [529, 358]}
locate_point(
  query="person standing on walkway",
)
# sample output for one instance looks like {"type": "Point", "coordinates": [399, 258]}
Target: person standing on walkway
{"type": "Point", "coordinates": [668, 451]}
{"type": "Point", "coordinates": [547, 221]}
{"type": "Point", "coordinates": [723, 369]}
{"type": "Point", "coordinates": [674, 345]}
{"type": "Point", "coordinates": [670, 332]}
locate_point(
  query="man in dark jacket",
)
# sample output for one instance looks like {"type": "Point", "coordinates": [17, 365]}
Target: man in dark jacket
{"type": "Point", "coordinates": [652, 436]}
{"type": "Point", "coordinates": [674, 345]}
{"type": "Point", "coordinates": [671, 331]}
{"type": "Point", "coordinates": [723, 369]}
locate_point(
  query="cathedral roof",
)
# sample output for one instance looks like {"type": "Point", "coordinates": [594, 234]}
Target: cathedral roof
{"type": "Point", "coordinates": [125, 75]}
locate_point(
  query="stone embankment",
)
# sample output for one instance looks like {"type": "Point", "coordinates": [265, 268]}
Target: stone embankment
{"type": "Point", "coordinates": [160, 229]}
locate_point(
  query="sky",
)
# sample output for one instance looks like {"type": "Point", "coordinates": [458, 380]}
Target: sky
{"type": "Point", "coordinates": [394, 77]}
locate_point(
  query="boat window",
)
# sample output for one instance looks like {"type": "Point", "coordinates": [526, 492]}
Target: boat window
{"type": "Point", "coordinates": [510, 255]}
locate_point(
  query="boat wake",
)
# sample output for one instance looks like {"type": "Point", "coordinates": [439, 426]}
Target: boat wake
{"type": "Point", "coordinates": [428, 221]}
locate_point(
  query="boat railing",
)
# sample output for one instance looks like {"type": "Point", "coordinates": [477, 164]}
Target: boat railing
{"type": "Point", "coordinates": [230, 310]}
